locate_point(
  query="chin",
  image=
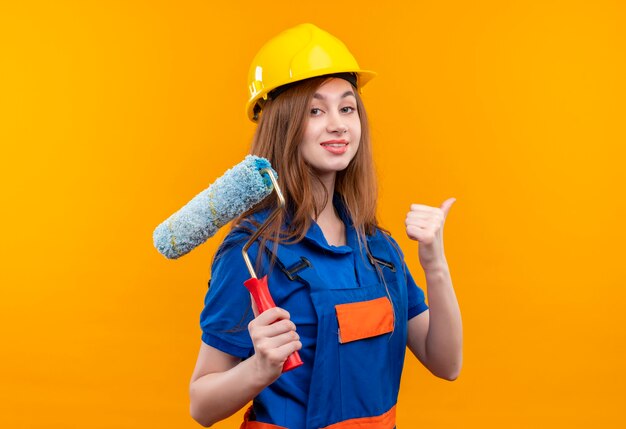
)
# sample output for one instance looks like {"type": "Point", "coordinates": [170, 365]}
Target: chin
{"type": "Point", "coordinates": [335, 168]}
{"type": "Point", "coordinates": [326, 169]}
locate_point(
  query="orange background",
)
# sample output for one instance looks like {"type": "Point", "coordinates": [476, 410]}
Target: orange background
{"type": "Point", "coordinates": [113, 114]}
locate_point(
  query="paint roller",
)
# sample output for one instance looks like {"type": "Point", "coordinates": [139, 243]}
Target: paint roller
{"type": "Point", "coordinates": [235, 192]}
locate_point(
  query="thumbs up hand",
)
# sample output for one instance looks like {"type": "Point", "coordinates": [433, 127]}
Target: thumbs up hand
{"type": "Point", "coordinates": [425, 225]}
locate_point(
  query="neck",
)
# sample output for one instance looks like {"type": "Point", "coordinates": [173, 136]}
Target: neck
{"type": "Point", "coordinates": [328, 183]}
{"type": "Point", "coordinates": [328, 219]}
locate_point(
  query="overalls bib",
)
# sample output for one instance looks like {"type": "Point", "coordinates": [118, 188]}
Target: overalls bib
{"type": "Point", "coordinates": [361, 341]}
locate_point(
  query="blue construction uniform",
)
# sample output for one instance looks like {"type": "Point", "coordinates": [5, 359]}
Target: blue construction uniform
{"type": "Point", "coordinates": [351, 318]}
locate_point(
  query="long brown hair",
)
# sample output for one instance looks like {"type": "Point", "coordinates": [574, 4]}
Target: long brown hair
{"type": "Point", "coordinates": [278, 135]}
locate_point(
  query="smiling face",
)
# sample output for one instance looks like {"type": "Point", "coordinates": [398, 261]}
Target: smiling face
{"type": "Point", "coordinates": [333, 128]}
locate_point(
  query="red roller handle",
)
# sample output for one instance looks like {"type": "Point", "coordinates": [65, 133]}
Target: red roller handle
{"type": "Point", "coordinates": [261, 294]}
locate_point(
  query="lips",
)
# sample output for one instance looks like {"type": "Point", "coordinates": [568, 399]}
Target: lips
{"type": "Point", "coordinates": [336, 147]}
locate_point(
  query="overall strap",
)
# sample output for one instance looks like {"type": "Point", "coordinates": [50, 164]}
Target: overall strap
{"type": "Point", "coordinates": [295, 267]}
{"type": "Point", "coordinates": [299, 268]}
{"type": "Point", "coordinates": [378, 253]}
{"type": "Point", "coordinates": [289, 263]}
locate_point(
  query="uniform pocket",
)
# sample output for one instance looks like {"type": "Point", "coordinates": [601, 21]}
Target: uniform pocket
{"type": "Point", "coordinates": [364, 319]}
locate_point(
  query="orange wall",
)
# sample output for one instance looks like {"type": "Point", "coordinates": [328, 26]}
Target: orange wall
{"type": "Point", "coordinates": [113, 114]}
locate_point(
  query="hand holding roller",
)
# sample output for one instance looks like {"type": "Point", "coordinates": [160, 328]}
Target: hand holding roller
{"type": "Point", "coordinates": [258, 287]}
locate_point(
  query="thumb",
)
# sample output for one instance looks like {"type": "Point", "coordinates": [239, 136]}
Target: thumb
{"type": "Point", "coordinates": [445, 206]}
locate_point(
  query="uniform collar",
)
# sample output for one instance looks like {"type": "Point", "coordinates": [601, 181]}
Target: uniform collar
{"type": "Point", "coordinates": [315, 236]}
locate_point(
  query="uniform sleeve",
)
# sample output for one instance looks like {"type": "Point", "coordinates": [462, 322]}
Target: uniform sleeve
{"type": "Point", "coordinates": [227, 309]}
{"type": "Point", "coordinates": [415, 294]}
{"type": "Point", "coordinates": [416, 298]}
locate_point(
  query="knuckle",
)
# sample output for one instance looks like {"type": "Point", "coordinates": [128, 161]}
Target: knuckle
{"type": "Point", "coordinates": [279, 313]}
{"type": "Point", "coordinates": [270, 312]}
{"type": "Point", "coordinates": [253, 335]}
{"type": "Point", "coordinates": [284, 325]}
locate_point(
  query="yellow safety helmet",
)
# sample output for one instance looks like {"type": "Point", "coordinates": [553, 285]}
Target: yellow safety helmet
{"type": "Point", "coordinates": [296, 54]}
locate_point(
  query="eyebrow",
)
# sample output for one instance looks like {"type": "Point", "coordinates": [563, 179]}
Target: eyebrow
{"type": "Point", "coordinates": [319, 96]}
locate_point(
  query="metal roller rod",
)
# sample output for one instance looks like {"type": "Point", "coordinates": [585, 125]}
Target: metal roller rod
{"type": "Point", "coordinates": [264, 225]}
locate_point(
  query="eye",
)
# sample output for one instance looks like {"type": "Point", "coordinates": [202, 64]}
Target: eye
{"type": "Point", "coordinates": [316, 111]}
{"type": "Point", "coordinates": [348, 109]}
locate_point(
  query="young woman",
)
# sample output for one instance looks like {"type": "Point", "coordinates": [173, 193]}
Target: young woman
{"type": "Point", "coordinates": [345, 298]}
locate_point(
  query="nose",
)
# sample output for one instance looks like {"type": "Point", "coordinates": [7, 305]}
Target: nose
{"type": "Point", "coordinates": [336, 124]}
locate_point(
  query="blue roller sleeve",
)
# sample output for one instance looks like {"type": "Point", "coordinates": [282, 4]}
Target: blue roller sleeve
{"type": "Point", "coordinates": [238, 190]}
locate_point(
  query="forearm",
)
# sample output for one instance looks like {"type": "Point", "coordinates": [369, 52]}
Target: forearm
{"type": "Point", "coordinates": [219, 395]}
{"type": "Point", "coordinates": [444, 340]}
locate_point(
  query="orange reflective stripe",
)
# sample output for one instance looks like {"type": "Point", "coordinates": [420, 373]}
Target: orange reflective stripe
{"type": "Point", "coordinates": [358, 320]}
{"type": "Point", "coordinates": [256, 425]}
{"type": "Point", "coordinates": [259, 425]}
{"type": "Point", "coordinates": [384, 421]}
